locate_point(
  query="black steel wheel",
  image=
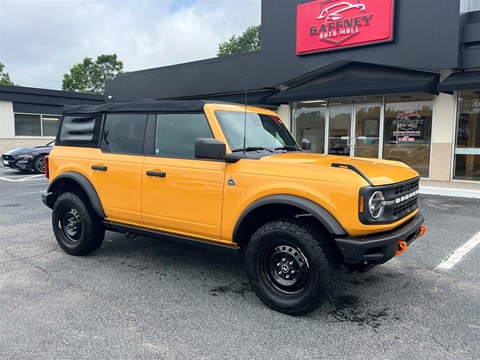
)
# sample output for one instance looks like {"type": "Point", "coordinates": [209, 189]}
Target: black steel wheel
{"type": "Point", "coordinates": [290, 267]}
{"type": "Point", "coordinates": [284, 269]}
{"type": "Point", "coordinates": [39, 164]}
{"type": "Point", "coordinates": [77, 228]}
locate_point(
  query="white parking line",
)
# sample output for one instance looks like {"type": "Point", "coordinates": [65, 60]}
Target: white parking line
{"type": "Point", "coordinates": [26, 178]}
{"type": "Point", "coordinates": [459, 254]}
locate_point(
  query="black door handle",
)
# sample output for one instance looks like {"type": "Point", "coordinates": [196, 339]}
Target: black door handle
{"type": "Point", "coordinates": [99, 167]}
{"type": "Point", "coordinates": [156, 173]}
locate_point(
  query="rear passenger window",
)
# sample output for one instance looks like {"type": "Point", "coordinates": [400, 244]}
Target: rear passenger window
{"type": "Point", "coordinates": [124, 133]}
{"type": "Point", "coordinates": [175, 134]}
{"type": "Point", "coordinates": [81, 130]}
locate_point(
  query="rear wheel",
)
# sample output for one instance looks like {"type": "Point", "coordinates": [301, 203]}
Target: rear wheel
{"type": "Point", "coordinates": [77, 228]}
{"type": "Point", "coordinates": [289, 267]}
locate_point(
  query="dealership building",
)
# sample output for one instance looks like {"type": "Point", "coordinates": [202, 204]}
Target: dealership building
{"type": "Point", "coordinates": [366, 78]}
{"type": "Point", "coordinates": [29, 116]}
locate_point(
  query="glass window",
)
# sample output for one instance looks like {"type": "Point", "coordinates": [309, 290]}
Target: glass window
{"type": "Point", "coordinates": [124, 133]}
{"type": "Point", "coordinates": [27, 125]}
{"type": "Point", "coordinates": [368, 99]}
{"type": "Point", "coordinates": [407, 130]}
{"type": "Point", "coordinates": [309, 123]}
{"type": "Point", "coordinates": [467, 150]}
{"type": "Point", "coordinates": [175, 134]}
{"type": "Point", "coordinates": [50, 125]}
{"type": "Point", "coordinates": [262, 131]}
{"type": "Point", "coordinates": [80, 130]}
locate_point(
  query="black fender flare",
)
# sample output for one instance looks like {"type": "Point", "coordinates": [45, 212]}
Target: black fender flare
{"type": "Point", "coordinates": [85, 184]}
{"type": "Point", "coordinates": [317, 211]}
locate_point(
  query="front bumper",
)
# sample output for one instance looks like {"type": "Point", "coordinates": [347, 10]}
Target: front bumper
{"type": "Point", "coordinates": [17, 163]}
{"type": "Point", "coordinates": [379, 248]}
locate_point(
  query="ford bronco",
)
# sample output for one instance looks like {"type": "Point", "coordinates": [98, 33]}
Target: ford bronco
{"type": "Point", "coordinates": [230, 177]}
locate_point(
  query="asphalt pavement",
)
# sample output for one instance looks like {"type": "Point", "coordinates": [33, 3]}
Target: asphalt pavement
{"type": "Point", "coordinates": [149, 299]}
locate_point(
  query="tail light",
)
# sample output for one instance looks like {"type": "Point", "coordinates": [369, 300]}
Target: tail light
{"type": "Point", "coordinates": [47, 173]}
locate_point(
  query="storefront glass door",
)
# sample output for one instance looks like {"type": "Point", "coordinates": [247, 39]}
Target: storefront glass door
{"type": "Point", "coordinates": [354, 130]}
{"type": "Point", "coordinates": [367, 130]}
{"type": "Point", "coordinates": [340, 130]}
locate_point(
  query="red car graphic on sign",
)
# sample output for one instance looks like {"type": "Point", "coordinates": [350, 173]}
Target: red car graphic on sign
{"type": "Point", "coordinates": [333, 12]}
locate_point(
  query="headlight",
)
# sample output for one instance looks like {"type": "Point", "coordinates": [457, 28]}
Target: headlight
{"type": "Point", "coordinates": [376, 205]}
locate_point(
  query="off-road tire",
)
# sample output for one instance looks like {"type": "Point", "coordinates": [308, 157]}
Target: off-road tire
{"type": "Point", "coordinates": [39, 164]}
{"type": "Point", "coordinates": [77, 228]}
{"type": "Point", "coordinates": [290, 266]}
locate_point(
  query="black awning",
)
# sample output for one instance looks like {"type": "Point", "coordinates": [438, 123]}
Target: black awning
{"type": "Point", "coordinates": [253, 97]}
{"type": "Point", "coordinates": [357, 79]}
{"type": "Point", "coordinates": [460, 81]}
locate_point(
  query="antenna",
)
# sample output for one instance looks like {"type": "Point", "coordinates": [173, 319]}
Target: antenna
{"type": "Point", "coordinates": [245, 119]}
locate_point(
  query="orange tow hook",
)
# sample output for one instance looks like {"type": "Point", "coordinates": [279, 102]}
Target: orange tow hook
{"type": "Point", "coordinates": [423, 230]}
{"type": "Point", "coordinates": [401, 247]}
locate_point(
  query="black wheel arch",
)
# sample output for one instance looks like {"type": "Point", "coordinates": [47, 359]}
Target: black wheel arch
{"type": "Point", "coordinates": [74, 182]}
{"type": "Point", "coordinates": [281, 206]}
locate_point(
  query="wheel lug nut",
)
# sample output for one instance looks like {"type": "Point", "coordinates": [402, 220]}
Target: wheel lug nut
{"type": "Point", "coordinates": [288, 276]}
{"type": "Point", "coordinates": [290, 263]}
{"type": "Point", "coordinates": [293, 271]}
{"type": "Point", "coordinates": [278, 264]}
{"type": "Point", "coordinates": [284, 259]}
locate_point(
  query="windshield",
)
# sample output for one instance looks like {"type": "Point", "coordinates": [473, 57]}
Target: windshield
{"type": "Point", "coordinates": [262, 131]}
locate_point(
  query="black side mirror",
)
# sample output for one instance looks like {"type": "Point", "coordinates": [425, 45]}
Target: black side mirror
{"type": "Point", "coordinates": [306, 145]}
{"type": "Point", "coordinates": [209, 148]}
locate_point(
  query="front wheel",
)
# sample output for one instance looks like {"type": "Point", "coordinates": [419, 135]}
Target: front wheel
{"type": "Point", "coordinates": [39, 164]}
{"type": "Point", "coordinates": [77, 228]}
{"type": "Point", "coordinates": [289, 266]}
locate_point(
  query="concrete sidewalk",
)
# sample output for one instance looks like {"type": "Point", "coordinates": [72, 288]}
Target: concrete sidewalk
{"type": "Point", "coordinates": [445, 188]}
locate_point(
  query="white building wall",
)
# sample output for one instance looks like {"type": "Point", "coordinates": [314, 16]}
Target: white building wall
{"type": "Point", "coordinates": [7, 123]}
{"type": "Point", "coordinates": [469, 5]}
{"type": "Point", "coordinates": [285, 114]}
{"type": "Point", "coordinates": [443, 134]}
{"type": "Point", "coordinates": [8, 140]}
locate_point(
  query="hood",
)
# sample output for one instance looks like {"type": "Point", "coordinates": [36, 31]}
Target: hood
{"type": "Point", "coordinates": [28, 150]}
{"type": "Point", "coordinates": [379, 172]}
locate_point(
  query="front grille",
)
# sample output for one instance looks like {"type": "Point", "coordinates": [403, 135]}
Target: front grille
{"type": "Point", "coordinates": [400, 200]}
{"type": "Point", "coordinates": [404, 209]}
{"type": "Point", "coordinates": [406, 188]}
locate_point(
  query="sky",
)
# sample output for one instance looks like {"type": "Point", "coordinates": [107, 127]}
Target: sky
{"type": "Point", "coordinates": [41, 40]}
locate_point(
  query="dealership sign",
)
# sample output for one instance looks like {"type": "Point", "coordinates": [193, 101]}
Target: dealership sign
{"type": "Point", "coordinates": [334, 24]}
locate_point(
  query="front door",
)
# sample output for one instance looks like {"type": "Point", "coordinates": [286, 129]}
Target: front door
{"type": "Point", "coordinates": [181, 194]}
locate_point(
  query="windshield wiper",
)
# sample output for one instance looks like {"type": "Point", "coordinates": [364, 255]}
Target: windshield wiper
{"type": "Point", "coordinates": [289, 148]}
{"type": "Point", "coordinates": [253, 148]}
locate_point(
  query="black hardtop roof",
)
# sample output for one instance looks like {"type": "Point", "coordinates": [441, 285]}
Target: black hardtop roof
{"type": "Point", "coordinates": [136, 106]}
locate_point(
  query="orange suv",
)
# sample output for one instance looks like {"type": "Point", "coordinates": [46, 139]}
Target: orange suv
{"type": "Point", "coordinates": [233, 178]}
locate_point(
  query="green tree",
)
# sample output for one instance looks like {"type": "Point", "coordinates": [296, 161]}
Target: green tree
{"type": "Point", "coordinates": [5, 77]}
{"type": "Point", "coordinates": [89, 76]}
{"type": "Point", "coordinates": [250, 40]}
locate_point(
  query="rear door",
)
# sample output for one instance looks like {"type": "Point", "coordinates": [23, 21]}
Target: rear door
{"type": "Point", "coordinates": [116, 168]}
{"type": "Point", "coordinates": [181, 194]}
